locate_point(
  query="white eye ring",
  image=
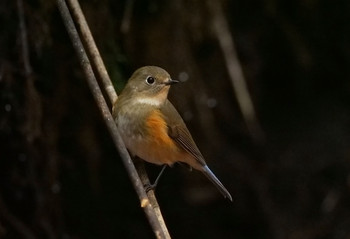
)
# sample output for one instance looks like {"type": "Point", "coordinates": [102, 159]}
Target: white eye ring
{"type": "Point", "coordinates": [150, 80]}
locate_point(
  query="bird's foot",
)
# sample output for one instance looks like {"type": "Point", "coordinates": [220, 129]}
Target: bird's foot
{"type": "Point", "coordinates": [148, 187]}
{"type": "Point", "coordinates": [153, 186]}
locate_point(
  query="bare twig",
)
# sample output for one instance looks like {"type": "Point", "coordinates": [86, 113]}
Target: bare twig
{"type": "Point", "coordinates": [32, 128]}
{"type": "Point", "coordinates": [258, 181]}
{"type": "Point", "coordinates": [33, 103]}
{"type": "Point", "coordinates": [92, 50]}
{"type": "Point", "coordinates": [140, 166]}
{"type": "Point", "coordinates": [154, 219]}
{"type": "Point", "coordinates": [234, 68]}
{"type": "Point", "coordinates": [24, 42]}
{"type": "Point", "coordinates": [125, 26]}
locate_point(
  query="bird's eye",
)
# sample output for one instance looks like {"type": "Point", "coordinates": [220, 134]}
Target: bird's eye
{"type": "Point", "coordinates": [150, 80]}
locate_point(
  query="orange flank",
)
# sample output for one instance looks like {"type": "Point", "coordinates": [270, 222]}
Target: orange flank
{"type": "Point", "coordinates": [157, 127]}
{"type": "Point", "coordinates": [161, 146]}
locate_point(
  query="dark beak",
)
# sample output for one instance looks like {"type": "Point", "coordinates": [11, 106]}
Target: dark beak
{"type": "Point", "coordinates": [171, 82]}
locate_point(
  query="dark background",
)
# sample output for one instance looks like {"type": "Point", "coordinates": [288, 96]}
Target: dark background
{"type": "Point", "coordinates": [61, 177]}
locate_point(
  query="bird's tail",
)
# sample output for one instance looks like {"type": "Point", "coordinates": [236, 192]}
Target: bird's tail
{"type": "Point", "coordinates": [211, 176]}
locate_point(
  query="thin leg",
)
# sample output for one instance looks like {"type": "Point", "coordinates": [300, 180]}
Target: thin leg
{"type": "Point", "coordinates": [154, 185]}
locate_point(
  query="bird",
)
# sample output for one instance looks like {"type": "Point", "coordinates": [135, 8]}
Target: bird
{"type": "Point", "coordinates": [151, 127]}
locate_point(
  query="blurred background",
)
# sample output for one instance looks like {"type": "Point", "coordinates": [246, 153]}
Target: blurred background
{"type": "Point", "coordinates": [288, 167]}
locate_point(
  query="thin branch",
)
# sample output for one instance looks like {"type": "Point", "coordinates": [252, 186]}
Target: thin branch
{"type": "Point", "coordinates": [106, 82]}
{"type": "Point", "coordinates": [24, 39]}
{"type": "Point", "coordinates": [32, 128]}
{"type": "Point", "coordinates": [92, 50]}
{"type": "Point", "coordinates": [33, 104]}
{"type": "Point", "coordinates": [140, 166]}
{"type": "Point", "coordinates": [102, 73]}
{"type": "Point", "coordinates": [226, 42]}
{"type": "Point", "coordinates": [153, 218]}
{"type": "Point", "coordinates": [125, 26]}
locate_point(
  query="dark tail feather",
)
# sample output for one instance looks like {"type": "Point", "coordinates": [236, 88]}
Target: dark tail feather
{"type": "Point", "coordinates": [210, 175]}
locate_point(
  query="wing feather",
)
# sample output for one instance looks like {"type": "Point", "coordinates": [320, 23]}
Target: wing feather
{"type": "Point", "coordinates": [178, 131]}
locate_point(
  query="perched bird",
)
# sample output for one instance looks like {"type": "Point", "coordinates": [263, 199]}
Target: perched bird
{"type": "Point", "coordinates": [151, 127]}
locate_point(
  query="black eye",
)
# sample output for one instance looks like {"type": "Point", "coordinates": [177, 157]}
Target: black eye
{"type": "Point", "coordinates": [150, 80]}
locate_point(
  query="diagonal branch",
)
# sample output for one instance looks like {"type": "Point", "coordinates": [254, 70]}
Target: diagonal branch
{"type": "Point", "coordinates": [155, 219]}
{"type": "Point", "coordinates": [92, 50]}
{"type": "Point", "coordinates": [234, 67]}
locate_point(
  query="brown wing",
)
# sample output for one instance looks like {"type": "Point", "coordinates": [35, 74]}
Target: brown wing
{"type": "Point", "coordinates": [179, 132]}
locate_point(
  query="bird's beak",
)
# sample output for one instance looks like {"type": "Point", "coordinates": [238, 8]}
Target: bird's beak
{"type": "Point", "coordinates": [171, 82]}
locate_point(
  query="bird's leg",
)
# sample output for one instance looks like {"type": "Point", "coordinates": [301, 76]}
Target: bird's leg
{"type": "Point", "coordinates": [154, 185]}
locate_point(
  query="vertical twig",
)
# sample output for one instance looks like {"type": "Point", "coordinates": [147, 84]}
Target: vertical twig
{"type": "Point", "coordinates": [33, 103]}
{"type": "Point", "coordinates": [153, 218]}
{"type": "Point", "coordinates": [32, 127]}
{"type": "Point", "coordinates": [24, 42]}
{"type": "Point", "coordinates": [125, 26]}
{"type": "Point", "coordinates": [226, 42]}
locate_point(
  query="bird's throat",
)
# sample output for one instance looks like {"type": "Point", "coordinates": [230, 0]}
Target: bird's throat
{"type": "Point", "coordinates": [154, 100]}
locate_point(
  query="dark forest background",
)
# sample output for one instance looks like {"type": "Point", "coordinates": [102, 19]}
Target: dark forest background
{"type": "Point", "coordinates": [61, 177]}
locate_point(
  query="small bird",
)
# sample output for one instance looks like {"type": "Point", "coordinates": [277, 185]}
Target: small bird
{"type": "Point", "coordinates": [151, 127]}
